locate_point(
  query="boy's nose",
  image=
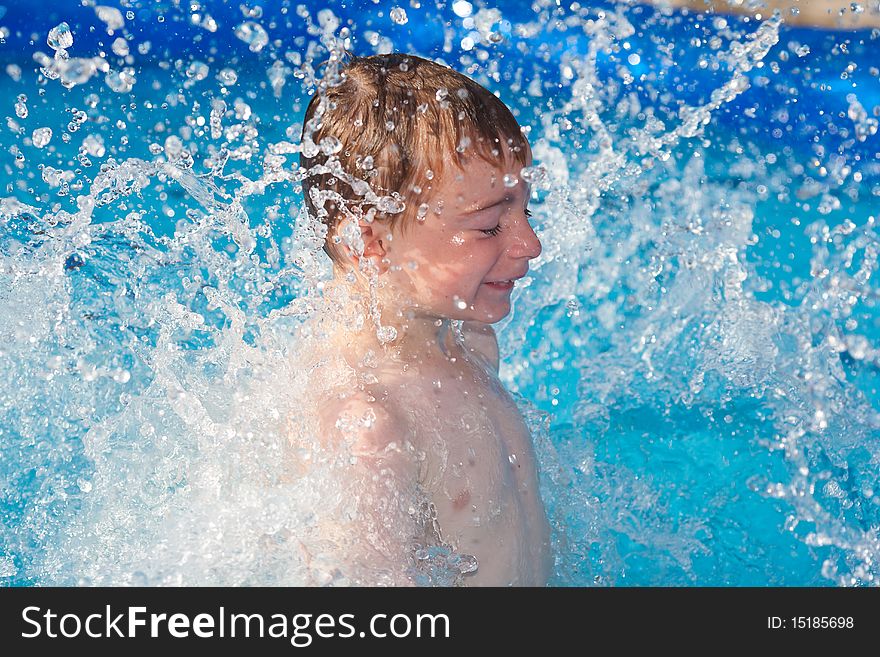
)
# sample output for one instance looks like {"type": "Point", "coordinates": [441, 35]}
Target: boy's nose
{"type": "Point", "coordinates": [525, 243]}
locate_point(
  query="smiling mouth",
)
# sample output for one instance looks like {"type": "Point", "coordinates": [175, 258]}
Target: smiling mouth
{"type": "Point", "coordinates": [505, 284]}
{"type": "Point", "coordinates": [501, 285]}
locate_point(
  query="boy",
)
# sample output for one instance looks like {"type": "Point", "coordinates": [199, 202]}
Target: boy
{"type": "Point", "coordinates": [425, 257]}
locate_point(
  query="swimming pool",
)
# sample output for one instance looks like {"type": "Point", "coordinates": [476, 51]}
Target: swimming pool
{"type": "Point", "coordinates": [695, 350]}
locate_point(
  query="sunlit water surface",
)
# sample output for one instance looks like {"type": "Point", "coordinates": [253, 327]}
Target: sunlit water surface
{"type": "Point", "coordinates": [695, 350]}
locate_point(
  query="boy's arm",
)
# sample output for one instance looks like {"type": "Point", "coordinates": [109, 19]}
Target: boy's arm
{"type": "Point", "coordinates": [378, 483]}
{"type": "Point", "coordinates": [480, 338]}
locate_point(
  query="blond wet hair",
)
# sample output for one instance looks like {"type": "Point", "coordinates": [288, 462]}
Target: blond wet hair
{"type": "Point", "coordinates": [401, 121]}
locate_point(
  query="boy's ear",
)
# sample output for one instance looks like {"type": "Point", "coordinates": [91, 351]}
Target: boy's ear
{"type": "Point", "coordinates": [373, 235]}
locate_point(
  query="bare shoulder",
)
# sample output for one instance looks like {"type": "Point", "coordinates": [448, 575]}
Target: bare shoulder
{"type": "Point", "coordinates": [481, 338]}
{"type": "Point", "coordinates": [371, 427]}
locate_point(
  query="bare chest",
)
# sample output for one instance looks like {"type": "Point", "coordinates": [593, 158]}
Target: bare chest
{"type": "Point", "coordinates": [477, 463]}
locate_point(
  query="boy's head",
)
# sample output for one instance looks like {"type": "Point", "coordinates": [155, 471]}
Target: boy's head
{"type": "Point", "coordinates": [450, 149]}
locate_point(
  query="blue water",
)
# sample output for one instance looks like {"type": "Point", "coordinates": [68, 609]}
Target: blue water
{"type": "Point", "coordinates": [696, 351]}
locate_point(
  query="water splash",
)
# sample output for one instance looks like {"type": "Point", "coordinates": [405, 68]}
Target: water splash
{"type": "Point", "coordinates": [721, 409]}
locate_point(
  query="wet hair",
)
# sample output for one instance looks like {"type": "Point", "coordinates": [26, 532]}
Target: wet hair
{"type": "Point", "coordinates": [400, 121]}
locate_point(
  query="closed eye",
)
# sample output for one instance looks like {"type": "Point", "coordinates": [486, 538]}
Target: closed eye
{"type": "Point", "coordinates": [497, 229]}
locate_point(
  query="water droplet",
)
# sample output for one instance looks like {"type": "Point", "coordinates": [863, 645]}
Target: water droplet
{"type": "Point", "coordinates": [60, 37]}
{"type": "Point", "coordinates": [120, 81]}
{"type": "Point", "coordinates": [510, 181]}
{"type": "Point", "coordinates": [111, 17]}
{"type": "Point", "coordinates": [227, 76]}
{"type": "Point", "coordinates": [41, 137]}
{"type": "Point", "coordinates": [390, 205]}
{"type": "Point", "coordinates": [386, 334]}
{"type": "Point", "coordinates": [328, 21]}
{"type": "Point", "coordinates": [370, 359]}
{"type": "Point", "coordinates": [252, 34]}
{"type": "Point", "coordinates": [21, 110]}
{"type": "Point", "coordinates": [173, 147]}
{"type": "Point", "coordinates": [218, 109]}
{"type": "Point", "coordinates": [398, 15]}
{"type": "Point", "coordinates": [120, 47]}
{"type": "Point", "coordinates": [330, 145]}
{"type": "Point", "coordinates": [462, 8]}
{"type": "Point", "coordinates": [197, 70]}
{"type": "Point", "coordinates": [461, 304]}
{"type": "Point", "coordinates": [56, 177]}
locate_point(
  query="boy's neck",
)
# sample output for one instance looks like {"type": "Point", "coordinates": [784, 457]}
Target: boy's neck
{"type": "Point", "coordinates": [419, 335]}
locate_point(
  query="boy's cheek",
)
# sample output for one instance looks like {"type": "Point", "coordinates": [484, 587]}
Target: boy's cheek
{"type": "Point", "coordinates": [470, 240]}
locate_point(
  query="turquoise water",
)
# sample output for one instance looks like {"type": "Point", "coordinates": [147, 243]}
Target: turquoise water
{"type": "Point", "coordinates": [696, 349]}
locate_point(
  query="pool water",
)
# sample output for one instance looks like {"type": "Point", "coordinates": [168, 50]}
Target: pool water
{"type": "Point", "coordinates": [696, 350]}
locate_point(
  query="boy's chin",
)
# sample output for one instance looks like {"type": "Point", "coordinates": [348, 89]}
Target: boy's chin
{"type": "Point", "coordinates": [475, 313]}
{"type": "Point", "coordinates": [489, 319]}
{"type": "Point", "coordinates": [474, 316]}
{"type": "Point", "coordinates": [488, 316]}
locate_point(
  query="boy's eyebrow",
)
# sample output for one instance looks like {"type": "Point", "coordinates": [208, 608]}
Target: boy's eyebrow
{"type": "Point", "coordinates": [507, 198]}
{"type": "Point", "coordinates": [504, 199]}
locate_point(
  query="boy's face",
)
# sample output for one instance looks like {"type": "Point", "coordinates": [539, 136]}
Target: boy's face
{"type": "Point", "coordinates": [476, 237]}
